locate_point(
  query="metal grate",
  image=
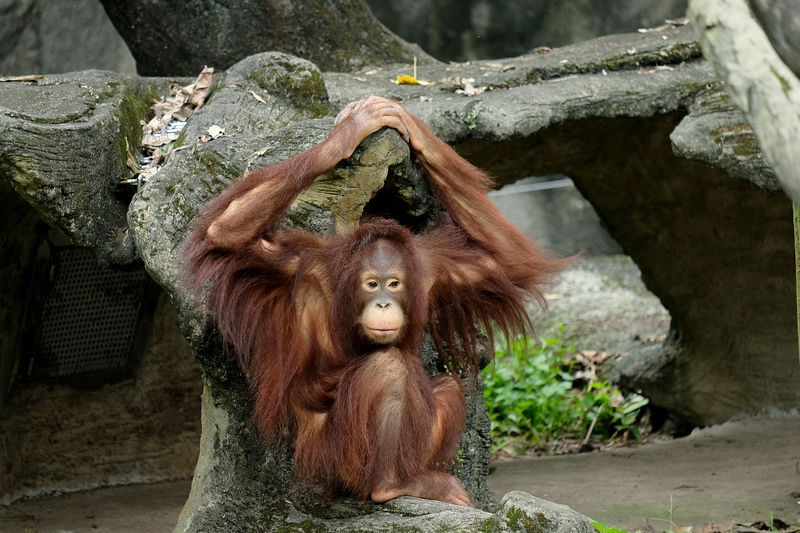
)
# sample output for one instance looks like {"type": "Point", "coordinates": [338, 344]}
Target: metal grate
{"type": "Point", "coordinates": [88, 317]}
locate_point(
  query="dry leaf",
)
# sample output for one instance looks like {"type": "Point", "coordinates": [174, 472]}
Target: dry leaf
{"type": "Point", "coordinates": [258, 153]}
{"type": "Point", "coordinates": [257, 97]}
{"type": "Point", "coordinates": [182, 113]}
{"type": "Point", "coordinates": [22, 78]}
{"type": "Point", "coordinates": [130, 161]}
{"type": "Point", "coordinates": [160, 134]}
{"type": "Point", "coordinates": [668, 26]}
{"type": "Point", "coordinates": [592, 356]}
{"type": "Point", "coordinates": [261, 151]}
{"type": "Point", "coordinates": [201, 88]}
{"type": "Point", "coordinates": [411, 80]}
{"type": "Point", "coordinates": [154, 139]}
{"type": "Point", "coordinates": [215, 131]}
{"type": "Point", "coordinates": [469, 89]}
{"type": "Point", "coordinates": [678, 22]}
{"type": "Point", "coordinates": [657, 338]}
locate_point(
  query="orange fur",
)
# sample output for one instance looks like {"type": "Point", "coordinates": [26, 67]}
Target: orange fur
{"type": "Point", "coordinates": [368, 420]}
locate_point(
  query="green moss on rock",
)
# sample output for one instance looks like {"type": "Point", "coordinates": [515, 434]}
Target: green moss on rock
{"type": "Point", "coordinates": [519, 520]}
{"type": "Point", "coordinates": [302, 85]}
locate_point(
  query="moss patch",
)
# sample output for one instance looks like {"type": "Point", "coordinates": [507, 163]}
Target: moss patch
{"type": "Point", "coordinates": [672, 55]}
{"type": "Point", "coordinates": [785, 85]}
{"type": "Point", "coordinates": [519, 520]}
{"type": "Point", "coordinates": [300, 84]}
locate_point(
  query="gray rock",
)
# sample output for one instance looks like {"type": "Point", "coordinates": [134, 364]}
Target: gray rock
{"type": "Point", "coordinates": [713, 243]}
{"type": "Point", "coordinates": [781, 21]}
{"type": "Point", "coordinates": [480, 29]}
{"type": "Point", "coordinates": [63, 147]}
{"type": "Point", "coordinates": [340, 36]}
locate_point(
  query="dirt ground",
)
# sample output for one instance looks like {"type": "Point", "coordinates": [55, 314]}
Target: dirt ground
{"type": "Point", "coordinates": [734, 473]}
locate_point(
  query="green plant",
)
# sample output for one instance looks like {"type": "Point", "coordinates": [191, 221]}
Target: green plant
{"type": "Point", "coordinates": [672, 526]}
{"type": "Point", "coordinates": [602, 528]}
{"type": "Point", "coordinates": [531, 398]}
